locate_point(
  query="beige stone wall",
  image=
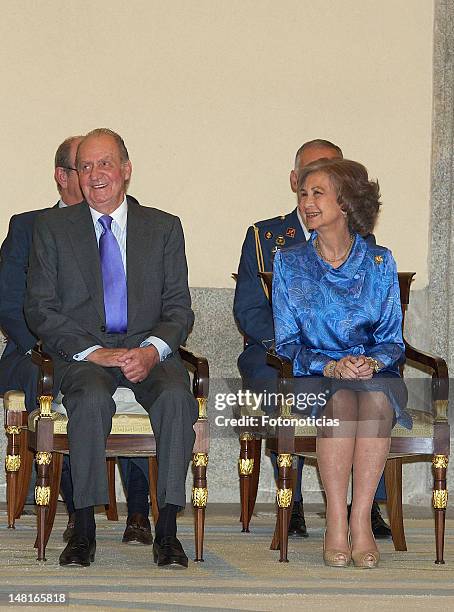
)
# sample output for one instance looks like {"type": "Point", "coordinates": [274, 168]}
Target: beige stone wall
{"type": "Point", "coordinates": [213, 98]}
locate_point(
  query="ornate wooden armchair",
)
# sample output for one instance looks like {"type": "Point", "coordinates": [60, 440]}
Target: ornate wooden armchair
{"type": "Point", "coordinates": [19, 461]}
{"type": "Point", "coordinates": [131, 435]}
{"type": "Point", "coordinates": [429, 436]}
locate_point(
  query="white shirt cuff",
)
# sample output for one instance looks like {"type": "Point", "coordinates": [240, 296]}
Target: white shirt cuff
{"type": "Point", "coordinates": [162, 347]}
{"type": "Point", "coordinates": [84, 354]}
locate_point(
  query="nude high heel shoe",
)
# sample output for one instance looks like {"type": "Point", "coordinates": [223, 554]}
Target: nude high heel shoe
{"type": "Point", "coordinates": [367, 559]}
{"type": "Point", "coordinates": [336, 558]}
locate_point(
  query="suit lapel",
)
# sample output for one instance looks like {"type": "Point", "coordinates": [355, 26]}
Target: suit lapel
{"type": "Point", "coordinates": [138, 241]}
{"type": "Point", "coordinates": [83, 239]}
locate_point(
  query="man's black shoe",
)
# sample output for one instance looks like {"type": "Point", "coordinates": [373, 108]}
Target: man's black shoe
{"type": "Point", "coordinates": [380, 529]}
{"type": "Point", "coordinates": [78, 551]}
{"type": "Point", "coordinates": [168, 552]}
{"type": "Point", "coordinates": [297, 526]}
{"type": "Point", "coordinates": [138, 529]}
{"type": "Point", "coordinates": [69, 531]}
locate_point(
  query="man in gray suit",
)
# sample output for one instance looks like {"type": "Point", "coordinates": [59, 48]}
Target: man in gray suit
{"type": "Point", "coordinates": [108, 296]}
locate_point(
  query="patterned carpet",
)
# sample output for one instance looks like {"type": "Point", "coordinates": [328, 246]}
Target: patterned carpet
{"type": "Point", "coordinates": [239, 573]}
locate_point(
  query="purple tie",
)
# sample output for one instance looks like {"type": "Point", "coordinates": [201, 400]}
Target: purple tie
{"type": "Point", "coordinates": [113, 280]}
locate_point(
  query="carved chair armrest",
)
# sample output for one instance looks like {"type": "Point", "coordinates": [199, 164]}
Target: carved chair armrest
{"type": "Point", "coordinates": [440, 378]}
{"type": "Point", "coordinates": [283, 365]}
{"type": "Point", "coordinates": [201, 377]}
{"type": "Point", "coordinates": [46, 368]}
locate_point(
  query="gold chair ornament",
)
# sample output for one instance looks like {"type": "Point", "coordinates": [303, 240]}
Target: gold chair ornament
{"type": "Point", "coordinates": [245, 466]}
{"type": "Point", "coordinates": [199, 497]}
{"type": "Point", "coordinates": [12, 463]}
{"type": "Point", "coordinates": [42, 495]}
{"type": "Point", "coordinates": [440, 461]}
{"type": "Point", "coordinates": [200, 460]}
{"type": "Point", "coordinates": [284, 498]}
{"type": "Point", "coordinates": [43, 458]}
{"type": "Point", "coordinates": [284, 460]}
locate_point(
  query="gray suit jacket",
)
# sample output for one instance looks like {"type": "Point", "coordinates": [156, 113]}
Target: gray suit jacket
{"type": "Point", "coordinates": [64, 304]}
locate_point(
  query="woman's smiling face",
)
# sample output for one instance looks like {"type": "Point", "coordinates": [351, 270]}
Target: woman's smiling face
{"type": "Point", "coordinates": [317, 202]}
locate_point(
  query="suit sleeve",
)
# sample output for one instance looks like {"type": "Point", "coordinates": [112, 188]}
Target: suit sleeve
{"type": "Point", "coordinates": [288, 335]}
{"type": "Point", "coordinates": [14, 256]}
{"type": "Point", "coordinates": [251, 307]}
{"type": "Point", "coordinates": [177, 317]}
{"type": "Point", "coordinates": [59, 333]}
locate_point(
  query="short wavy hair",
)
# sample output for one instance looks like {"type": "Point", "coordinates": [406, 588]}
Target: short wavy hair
{"type": "Point", "coordinates": [358, 196]}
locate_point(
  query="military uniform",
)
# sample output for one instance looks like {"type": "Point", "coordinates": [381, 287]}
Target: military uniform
{"type": "Point", "coordinates": [254, 316]}
{"type": "Point", "coordinates": [251, 307]}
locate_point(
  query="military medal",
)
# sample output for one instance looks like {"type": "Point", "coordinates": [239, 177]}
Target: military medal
{"type": "Point", "coordinates": [268, 235]}
{"type": "Point", "coordinates": [280, 241]}
{"type": "Point", "coordinates": [291, 231]}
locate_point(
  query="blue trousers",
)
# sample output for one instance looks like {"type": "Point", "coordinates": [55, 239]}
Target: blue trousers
{"type": "Point", "coordinates": [134, 473]}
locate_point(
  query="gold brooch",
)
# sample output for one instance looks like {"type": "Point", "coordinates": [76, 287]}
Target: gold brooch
{"type": "Point", "coordinates": [378, 259]}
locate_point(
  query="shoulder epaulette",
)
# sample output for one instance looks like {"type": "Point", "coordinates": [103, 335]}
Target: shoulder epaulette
{"type": "Point", "coordinates": [272, 221]}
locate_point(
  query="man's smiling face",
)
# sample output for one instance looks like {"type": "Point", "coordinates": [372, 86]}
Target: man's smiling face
{"type": "Point", "coordinates": [102, 173]}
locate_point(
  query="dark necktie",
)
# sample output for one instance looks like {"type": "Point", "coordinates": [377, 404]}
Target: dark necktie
{"type": "Point", "coordinates": [113, 280]}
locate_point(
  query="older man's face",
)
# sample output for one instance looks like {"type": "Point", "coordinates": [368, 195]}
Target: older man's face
{"type": "Point", "coordinates": [102, 174]}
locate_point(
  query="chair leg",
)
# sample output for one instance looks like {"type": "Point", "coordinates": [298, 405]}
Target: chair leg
{"type": "Point", "coordinates": [111, 508]}
{"type": "Point", "coordinates": [24, 475]}
{"type": "Point", "coordinates": [440, 501]}
{"type": "Point", "coordinates": [284, 502]}
{"type": "Point", "coordinates": [276, 541]}
{"type": "Point", "coordinates": [153, 479]}
{"type": "Point", "coordinates": [42, 497]}
{"type": "Point", "coordinates": [393, 484]}
{"type": "Point", "coordinates": [257, 452]}
{"type": "Point", "coordinates": [12, 466]}
{"type": "Point", "coordinates": [199, 500]}
{"type": "Point", "coordinates": [245, 468]}
{"type": "Point", "coordinates": [55, 478]}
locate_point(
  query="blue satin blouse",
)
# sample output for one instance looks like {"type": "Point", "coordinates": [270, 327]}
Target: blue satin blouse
{"type": "Point", "coordinates": [322, 313]}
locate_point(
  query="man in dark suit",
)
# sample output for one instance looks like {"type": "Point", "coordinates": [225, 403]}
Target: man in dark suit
{"type": "Point", "coordinates": [109, 298]}
{"type": "Point", "coordinates": [16, 368]}
{"type": "Point", "coordinates": [254, 315]}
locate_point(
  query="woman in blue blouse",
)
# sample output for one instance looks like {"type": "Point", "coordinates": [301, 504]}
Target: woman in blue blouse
{"type": "Point", "coordinates": [337, 315]}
